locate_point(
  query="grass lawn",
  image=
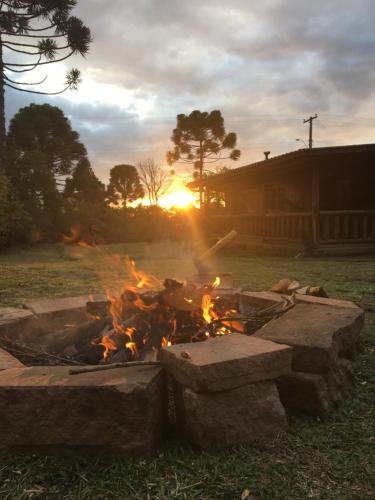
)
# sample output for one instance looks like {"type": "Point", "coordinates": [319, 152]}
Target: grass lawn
{"type": "Point", "coordinates": [334, 458]}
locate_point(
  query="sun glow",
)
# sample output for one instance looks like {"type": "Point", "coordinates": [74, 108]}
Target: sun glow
{"type": "Point", "coordinates": [181, 198]}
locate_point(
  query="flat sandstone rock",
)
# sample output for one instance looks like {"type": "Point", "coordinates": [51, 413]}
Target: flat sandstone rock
{"type": "Point", "coordinates": [8, 361]}
{"type": "Point", "coordinates": [239, 416]}
{"type": "Point", "coordinates": [316, 394]}
{"type": "Point", "coordinates": [16, 322]}
{"type": "Point", "coordinates": [56, 313]}
{"type": "Point", "coordinates": [226, 362]}
{"type": "Point", "coordinates": [46, 410]}
{"type": "Point", "coordinates": [317, 333]}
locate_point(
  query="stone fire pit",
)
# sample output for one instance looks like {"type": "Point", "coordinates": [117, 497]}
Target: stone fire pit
{"type": "Point", "coordinates": [227, 390]}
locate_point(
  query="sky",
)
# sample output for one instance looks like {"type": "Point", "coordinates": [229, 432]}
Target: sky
{"type": "Point", "coordinates": [266, 65]}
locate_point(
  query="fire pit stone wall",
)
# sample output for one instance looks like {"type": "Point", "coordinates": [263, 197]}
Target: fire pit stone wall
{"type": "Point", "coordinates": [311, 375]}
{"type": "Point", "coordinates": [224, 389]}
{"type": "Point", "coordinates": [44, 409]}
{"type": "Point", "coordinates": [324, 334]}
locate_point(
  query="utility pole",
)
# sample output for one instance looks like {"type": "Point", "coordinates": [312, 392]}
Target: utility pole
{"type": "Point", "coordinates": [310, 120]}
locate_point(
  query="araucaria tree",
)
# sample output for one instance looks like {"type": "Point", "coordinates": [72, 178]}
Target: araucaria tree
{"type": "Point", "coordinates": [124, 185]}
{"type": "Point", "coordinates": [35, 33]}
{"type": "Point", "coordinates": [42, 149]}
{"type": "Point", "coordinates": [155, 180]}
{"type": "Point", "coordinates": [200, 139]}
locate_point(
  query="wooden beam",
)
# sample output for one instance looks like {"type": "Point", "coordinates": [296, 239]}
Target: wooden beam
{"type": "Point", "coordinates": [315, 204]}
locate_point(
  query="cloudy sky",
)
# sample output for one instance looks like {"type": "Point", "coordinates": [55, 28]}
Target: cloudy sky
{"type": "Point", "coordinates": [266, 65]}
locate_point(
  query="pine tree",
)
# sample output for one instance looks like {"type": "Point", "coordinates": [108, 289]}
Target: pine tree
{"type": "Point", "coordinates": [37, 33]}
{"type": "Point", "coordinates": [200, 138]}
{"type": "Point", "coordinates": [124, 185]}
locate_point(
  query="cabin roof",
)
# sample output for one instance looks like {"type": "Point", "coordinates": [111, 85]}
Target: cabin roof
{"type": "Point", "coordinates": [285, 160]}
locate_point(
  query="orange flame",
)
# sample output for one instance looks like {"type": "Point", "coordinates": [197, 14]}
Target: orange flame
{"type": "Point", "coordinates": [108, 344]}
{"type": "Point", "coordinates": [216, 283]}
{"type": "Point", "coordinates": [75, 234]}
{"type": "Point", "coordinates": [208, 311]}
{"type": "Point", "coordinates": [143, 280]}
{"type": "Point", "coordinates": [132, 346]}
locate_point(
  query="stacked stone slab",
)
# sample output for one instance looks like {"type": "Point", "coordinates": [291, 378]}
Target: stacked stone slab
{"type": "Point", "coordinates": [47, 410]}
{"type": "Point", "coordinates": [324, 335]}
{"type": "Point", "coordinates": [224, 389]}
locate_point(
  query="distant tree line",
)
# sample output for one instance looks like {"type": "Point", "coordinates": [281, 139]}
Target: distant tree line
{"type": "Point", "coordinates": [48, 186]}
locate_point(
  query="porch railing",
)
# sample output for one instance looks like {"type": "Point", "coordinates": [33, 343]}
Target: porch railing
{"type": "Point", "coordinates": [334, 226]}
{"type": "Point", "coordinates": [292, 226]}
{"type": "Point", "coordinates": [347, 225]}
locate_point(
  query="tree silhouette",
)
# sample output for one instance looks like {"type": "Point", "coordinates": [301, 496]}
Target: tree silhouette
{"type": "Point", "coordinates": [15, 222]}
{"type": "Point", "coordinates": [155, 180]}
{"type": "Point", "coordinates": [42, 150]}
{"type": "Point", "coordinates": [200, 138]}
{"type": "Point", "coordinates": [84, 186]}
{"type": "Point", "coordinates": [45, 129]}
{"type": "Point", "coordinates": [124, 185]}
{"type": "Point", "coordinates": [34, 183]}
{"type": "Point", "coordinates": [38, 33]}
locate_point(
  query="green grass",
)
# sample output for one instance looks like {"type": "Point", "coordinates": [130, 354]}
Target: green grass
{"type": "Point", "coordinates": [334, 458]}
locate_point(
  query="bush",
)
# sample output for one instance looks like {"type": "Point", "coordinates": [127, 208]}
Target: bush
{"type": "Point", "coordinates": [15, 222]}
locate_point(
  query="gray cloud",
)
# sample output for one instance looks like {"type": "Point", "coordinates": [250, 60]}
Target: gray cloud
{"type": "Point", "coordinates": [266, 65]}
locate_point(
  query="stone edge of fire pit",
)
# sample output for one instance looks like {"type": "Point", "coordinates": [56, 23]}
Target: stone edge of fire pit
{"type": "Point", "coordinates": [318, 333]}
{"type": "Point", "coordinates": [63, 308]}
{"type": "Point", "coordinates": [226, 362]}
{"type": "Point", "coordinates": [17, 322]}
{"type": "Point", "coordinates": [62, 413]}
{"type": "Point", "coordinates": [7, 361]}
{"type": "Point", "coordinates": [247, 414]}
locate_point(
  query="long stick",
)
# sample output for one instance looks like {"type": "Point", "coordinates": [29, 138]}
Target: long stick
{"type": "Point", "coordinates": [219, 244]}
{"type": "Point", "coordinates": [98, 368]}
{"type": "Point", "coordinates": [34, 352]}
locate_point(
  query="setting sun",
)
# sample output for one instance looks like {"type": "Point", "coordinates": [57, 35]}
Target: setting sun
{"type": "Point", "coordinates": [181, 198]}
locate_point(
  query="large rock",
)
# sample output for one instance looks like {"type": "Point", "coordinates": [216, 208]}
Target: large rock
{"type": "Point", "coordinates": [238, 416]}
{"type": "Point", "coordinates": [16, 323]}
{"type": "Point", "coordinates": [317, 333]}
{"type": "Point", "coordinates": [225, 362]}
{"type": "Point", "coordinates": [8, 361]}
{"type": "Point", "coordinates": [316, 394]}
{"type": "Point", "coordinates": [305, 393]}
{"type": "Point", "coordinates": [44, 409]}
{"type": "Point", "coordinates": [54, 313]}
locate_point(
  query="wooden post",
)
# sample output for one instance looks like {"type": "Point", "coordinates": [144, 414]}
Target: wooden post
{"type": "Point", "coordinates": [315, 208]}
{"type": "Point", "coordinates": [263, 214]}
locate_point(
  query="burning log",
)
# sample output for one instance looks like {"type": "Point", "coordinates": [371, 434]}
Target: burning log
{"type": "Point", "coordinates": [78, 334]}
{"type": "Point", "coordinates": [133, 326]}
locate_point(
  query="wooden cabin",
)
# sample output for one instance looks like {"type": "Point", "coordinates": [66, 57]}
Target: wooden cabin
{"type": "Point", "coordinates": [320, 199]}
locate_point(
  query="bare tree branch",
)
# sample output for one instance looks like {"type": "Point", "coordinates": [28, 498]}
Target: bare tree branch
{"type": "Point", "coordinates": [156, 180]}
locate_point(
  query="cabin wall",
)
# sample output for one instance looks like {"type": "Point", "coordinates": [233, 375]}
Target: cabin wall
{"type": "Point", "coordinates": [347, 186]}
{"type": "Point", "coordinates": [285, 192]}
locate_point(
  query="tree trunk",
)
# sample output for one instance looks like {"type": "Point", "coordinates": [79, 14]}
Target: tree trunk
{"type": "Point", "coordinates": [2, 110]}
{"type": "Point", "coordinates": [200, 175]}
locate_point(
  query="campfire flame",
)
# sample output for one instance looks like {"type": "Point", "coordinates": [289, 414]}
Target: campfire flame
{"type": "Point", "coordinates": [142, 279]}
{"type": "Point", "coordinates": [108, 344]}
{"type": "Point", "coordinates": [208, 305]}
{"type": "Point", "coordinates": [148, 315]}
